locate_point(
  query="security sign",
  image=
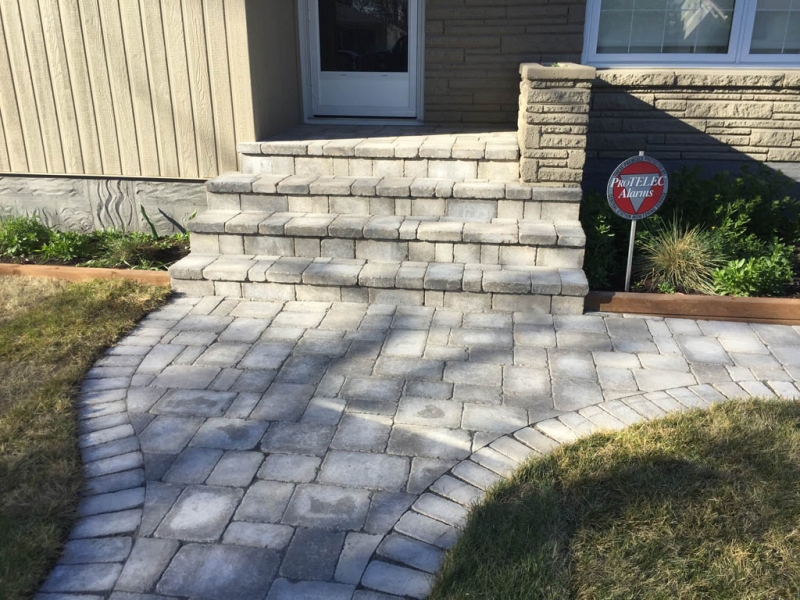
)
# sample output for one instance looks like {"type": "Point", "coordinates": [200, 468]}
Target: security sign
{"type": "Point", "coordinates": [637, 187]}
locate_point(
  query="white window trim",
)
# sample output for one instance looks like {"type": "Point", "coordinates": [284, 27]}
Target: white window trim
{"type": "Point", "coordinates": [738, 55]}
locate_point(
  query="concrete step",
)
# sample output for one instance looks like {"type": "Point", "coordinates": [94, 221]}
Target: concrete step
{"type": "Point", "coordinates": [470, 199]}
{"type": "Point", "coordinates": [442, 239]}
{"type": "Point", "coordinates": [458, 285]}
{"type": "Point", "coordinates": [398, 153]}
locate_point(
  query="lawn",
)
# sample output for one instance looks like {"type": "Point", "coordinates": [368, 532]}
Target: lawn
{"type": "Point", "coordinates": [50, 334]}
{"type": "Point", "coordinates": [699, 505]}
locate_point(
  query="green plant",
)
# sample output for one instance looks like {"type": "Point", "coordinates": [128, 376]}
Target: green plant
{"type": "Point", "coordinates": [22, 236]}
{"type": "Point", "coordinates": [602, 228]}
{"type": "Point", "coordinates": [765, 275]}
{"type": "Point", "coordinates": [678, 258]}
{"type": "Point", "coordinates": [66, 246]}
{"type": "Point", "coordinates": [136, 250]}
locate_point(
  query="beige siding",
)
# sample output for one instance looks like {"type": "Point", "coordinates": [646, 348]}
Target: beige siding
{"type": "Point", "coordinates": [138, 88]}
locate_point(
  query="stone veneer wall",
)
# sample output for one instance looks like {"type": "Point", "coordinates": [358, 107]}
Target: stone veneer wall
{"type": "Point", "coordinates": [553, 123]}
{"type": "Point", "coordinates": [84, 204]}
{"type": "Point", "coordinates": [474, 49]}
{"type": "Point", "coordinates": [693, 115]}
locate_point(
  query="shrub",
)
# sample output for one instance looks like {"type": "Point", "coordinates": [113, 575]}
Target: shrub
{"type": "Point", "coordinates": [22, 236]}
{"type": "Point", "coordinates": [757, 201]}
{"type": "Point", "coordinates": [766, 275]}
{"type": "Point", "coordinates": [674, 257]}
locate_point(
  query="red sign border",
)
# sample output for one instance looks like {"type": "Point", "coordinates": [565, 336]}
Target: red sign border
{"type": "Point", "coordinates": [624, 164]}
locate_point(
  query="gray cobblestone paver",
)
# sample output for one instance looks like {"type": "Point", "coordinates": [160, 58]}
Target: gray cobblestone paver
{"type": "Point", "coordinates": [328, 449]}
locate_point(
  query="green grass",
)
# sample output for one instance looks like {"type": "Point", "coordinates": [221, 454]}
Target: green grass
{"type": "Point", "coordinates": [50, 334]}
{"type": "Point", "coordinates": [699, 505]}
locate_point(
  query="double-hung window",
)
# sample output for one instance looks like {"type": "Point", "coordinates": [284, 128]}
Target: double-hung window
{"type": "Point", "coordinates": [692, 32]}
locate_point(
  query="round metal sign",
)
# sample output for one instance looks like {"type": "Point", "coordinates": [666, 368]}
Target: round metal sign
{"type": "Point", "coordinates": [637, 187]}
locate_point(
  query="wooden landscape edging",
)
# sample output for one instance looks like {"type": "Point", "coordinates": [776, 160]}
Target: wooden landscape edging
{"type": "Point", "coordinates": [779, 311]}
{"type": "Point", "coordinates": [83, 273]}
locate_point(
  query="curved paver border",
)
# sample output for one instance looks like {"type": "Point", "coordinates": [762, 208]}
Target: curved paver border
{"type": "Point", "coordinates": [411, 554]}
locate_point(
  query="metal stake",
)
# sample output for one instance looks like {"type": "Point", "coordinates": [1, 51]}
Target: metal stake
{"type": "Point", "coordinates": [630, 249]}
{"type": "Point", "coordinates": [630, 257]}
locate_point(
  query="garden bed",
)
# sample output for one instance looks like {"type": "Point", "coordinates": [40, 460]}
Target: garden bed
{"type": "Point", "coordinates": [26, 243]}
{"type": "Point", "coordinates": [728, 235]}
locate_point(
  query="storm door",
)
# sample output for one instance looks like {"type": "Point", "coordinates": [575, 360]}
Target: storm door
{"type": "Point", "coordinates": [363, 57]}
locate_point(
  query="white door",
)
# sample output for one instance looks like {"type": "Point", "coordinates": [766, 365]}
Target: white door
{"type": "Point", "coordinates": [363, 58]}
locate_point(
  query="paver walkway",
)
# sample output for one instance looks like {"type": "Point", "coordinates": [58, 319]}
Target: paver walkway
{"type": "Point", "coordinates": [238, 449]}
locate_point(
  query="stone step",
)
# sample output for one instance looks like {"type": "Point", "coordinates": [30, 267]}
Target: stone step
{"type": "Point", "coordinates": [457, 285]}
{"type": "Point", "coordinates": [468, 199]}
{"type": "Point", "coordinates": [500, 241]}
{"type": "Point", "coordinates": [493, 156]}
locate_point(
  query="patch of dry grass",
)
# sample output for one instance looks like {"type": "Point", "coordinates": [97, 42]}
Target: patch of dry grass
{"type": "Point", "coordinates": [20, 293]}
{"type": "Point", "coordinates": [50, 334]}
{"type": "Point", "coordinates": [698, 505]}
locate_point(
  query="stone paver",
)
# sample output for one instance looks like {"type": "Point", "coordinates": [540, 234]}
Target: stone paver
{"type": "Point", "coordinates": [330, 450]}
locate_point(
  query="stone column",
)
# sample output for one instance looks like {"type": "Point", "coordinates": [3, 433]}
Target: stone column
{"type": "Point", "coordinates": [553, 121]}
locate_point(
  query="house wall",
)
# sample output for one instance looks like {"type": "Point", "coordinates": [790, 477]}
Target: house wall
{"type": "Point", "coordinates": [135, 88]}
{"type": "Point", "coordinates": [718, 119]}
{"type": "Point", "coordinates": [274, 65]}
{"type": "Point", "coordinates": [474, 49]}
{"type": "Point", "coordinates": [696, 114]}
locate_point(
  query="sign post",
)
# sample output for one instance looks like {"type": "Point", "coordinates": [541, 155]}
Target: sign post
{"type": "Point", "coordinates": [636, 189]}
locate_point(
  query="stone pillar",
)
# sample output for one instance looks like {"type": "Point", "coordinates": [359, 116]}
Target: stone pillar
{"type": "Point", "coordinates": [553, 121]}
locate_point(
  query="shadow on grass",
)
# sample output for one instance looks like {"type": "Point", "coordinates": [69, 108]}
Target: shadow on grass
{"type": "Point", "coordinates": [49, 337]}
{"type": "Point", "coordinates": [701, 505]}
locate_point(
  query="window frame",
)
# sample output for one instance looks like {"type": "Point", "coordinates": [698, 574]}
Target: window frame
{"type": "Point", "coordinates": [738, 55]}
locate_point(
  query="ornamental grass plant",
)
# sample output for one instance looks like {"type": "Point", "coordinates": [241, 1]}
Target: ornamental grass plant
{"type": "Point", "coordinates": [678, 258]}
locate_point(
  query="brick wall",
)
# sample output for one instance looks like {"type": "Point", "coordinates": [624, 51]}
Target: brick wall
{"type": "Point", "coordinates": [474, 49]}
{"type": "Point", "coordinates": [696, 115]}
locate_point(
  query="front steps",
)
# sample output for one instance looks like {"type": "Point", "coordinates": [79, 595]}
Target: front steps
{"type": "Point", "coordinates": [471, 287]}
{"type": "Point", "coordinates": [422, 196]}
{"type": "Point", "coordinates": [386, 152]}
{"type": "Point", "coordinates": [390, 215]}
{"type": "Point", "coordinates": [330, 235]}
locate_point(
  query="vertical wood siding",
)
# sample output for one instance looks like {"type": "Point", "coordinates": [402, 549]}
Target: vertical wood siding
{"type": "Point", "coordinates": [139, 88]}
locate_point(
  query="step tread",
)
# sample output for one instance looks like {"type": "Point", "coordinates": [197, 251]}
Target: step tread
{"type": "Point", "coordinates": [387, 187]}
{"type": "Point", "coordinates": [409, 228]}
{"type": "Point", "coordinates": [502, 279]}
{"type": "Point", "coordinates": [471, 145]}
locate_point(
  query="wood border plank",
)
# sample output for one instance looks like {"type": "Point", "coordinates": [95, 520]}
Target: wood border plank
{"type": "Point", "coordinates": [84, 273]}
{"type": "Point", "coordinates": [784, 311]}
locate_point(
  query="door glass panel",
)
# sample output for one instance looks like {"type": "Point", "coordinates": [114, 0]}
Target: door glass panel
{"type": "Point", "coordinates": [363, 35]}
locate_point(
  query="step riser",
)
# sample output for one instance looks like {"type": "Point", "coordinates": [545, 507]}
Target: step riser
{"type": "Point", "coordinates": [445, 168]}
{"type": "Point", "coordinates": [467, 301]}
{"type": "Point", "coordinates": [459, 208]}
{"type": "Point", "coordinates": [383, 250]}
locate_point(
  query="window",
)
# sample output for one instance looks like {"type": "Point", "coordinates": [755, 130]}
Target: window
{"type": "Point", "coordinates": [679, 32]}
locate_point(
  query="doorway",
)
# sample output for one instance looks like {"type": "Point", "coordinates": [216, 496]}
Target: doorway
{"type": "Point", "coordinates": [363, 58]}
